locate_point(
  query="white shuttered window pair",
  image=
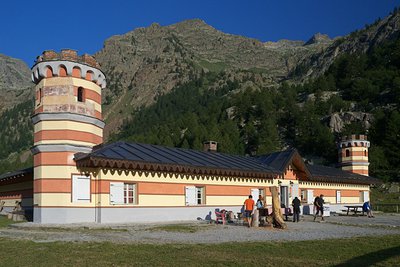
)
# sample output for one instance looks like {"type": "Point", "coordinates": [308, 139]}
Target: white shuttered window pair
{"type": "Point", "coordinates": [194, 195]}
{"type": "Point", "coordinates": [122, 193]}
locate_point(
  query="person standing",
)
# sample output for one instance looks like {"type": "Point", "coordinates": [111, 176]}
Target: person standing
{"type": "Point", "coordinates": [319, 202]}
{"type": "Point", "coordinates": [296, 209]}
{"type": "Point", "coordinates": [248, 209]}
{"type": "Point", "coordinates": [316, 210]}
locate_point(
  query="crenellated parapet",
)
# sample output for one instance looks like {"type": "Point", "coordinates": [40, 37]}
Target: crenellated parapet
{"type": "Point", "coordinates": [354, 141]}
{"type": "Point", "coordinates": [67, 63]}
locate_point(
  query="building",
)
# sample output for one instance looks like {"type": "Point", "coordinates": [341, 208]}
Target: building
{"type": "Point", "coordinates": [75, 178]}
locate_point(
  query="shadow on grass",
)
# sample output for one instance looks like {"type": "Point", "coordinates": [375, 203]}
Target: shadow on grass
{"type": "Point", "coordinates": [372, 258]}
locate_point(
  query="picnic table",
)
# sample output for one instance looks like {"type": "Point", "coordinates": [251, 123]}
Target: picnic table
{"type": "Point", "coordinates": [354, 209]}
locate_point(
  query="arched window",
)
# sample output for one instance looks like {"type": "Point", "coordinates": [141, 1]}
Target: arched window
{"type": "Point", "coordinates": [49, 72]}
{"type": "Point", "coordinates": [63, 71]}
{"type": "Point", "coordinates": [40, 95]}
{"type": "Point", "coordinates": [76, 72]}
{"type": "Point", "coordinates": [347, 153]}
{"type": "Point", "coordinates": [365, 153]}
{"type": "Point", "coordinates": [89, 75]}
{"type": "Point", "coordinates": [80, 94]}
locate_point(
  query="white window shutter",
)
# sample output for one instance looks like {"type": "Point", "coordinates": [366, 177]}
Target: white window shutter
{"type": "Point", "coordinates": [310, 196]}
{"type": "Point", "coordinates": [255, 193]}
{"type": "Point", "coordinates": [338, 197]}
{"type": "Point", "coordinates": [190, 195]}
{"type": "Point", "coordinates": [116, 193]}
{"type": "Point", "coordinates": [80, 188]}
{"type": "Point", "coordinates": [295, 190]}
{"type": "Point", "coordinates": [366, 196]}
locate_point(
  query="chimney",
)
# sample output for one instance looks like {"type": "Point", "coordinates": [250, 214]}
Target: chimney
{"type": "Point", "coordinates": [210, 146]}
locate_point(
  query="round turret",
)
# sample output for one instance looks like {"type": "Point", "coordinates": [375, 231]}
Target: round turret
{"type": "Point", "coordinates": [353, 154]}
{"type": "Point", "coordinates": [67, 120]}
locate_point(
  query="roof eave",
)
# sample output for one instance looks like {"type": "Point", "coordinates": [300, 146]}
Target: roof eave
{"type": "Point", "coordinates": [99, 162]}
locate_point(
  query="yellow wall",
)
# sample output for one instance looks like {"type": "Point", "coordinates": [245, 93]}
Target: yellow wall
{"type": "Point", "coordinates": [70, 125]}
{"type": "Point", "coordinates": [154, 200]}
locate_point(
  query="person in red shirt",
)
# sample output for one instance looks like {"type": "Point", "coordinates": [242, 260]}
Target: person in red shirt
{"type": "Point", "coordinates": [248, 208]}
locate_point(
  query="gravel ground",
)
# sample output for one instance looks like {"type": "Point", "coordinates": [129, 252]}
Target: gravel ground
{"type": "Point", "coordinates": [307, 229]}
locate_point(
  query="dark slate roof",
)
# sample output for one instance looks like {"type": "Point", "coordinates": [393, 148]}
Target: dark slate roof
{"type": "Point", "coordinates": [154, 154]}
{"type": "Point", "coordinates": [278, 160]}
{"type": "Point", "coordinates": [334, 175]}
{"type": "Point", "coordinates": [148, 157]}
{"type": "Point", "coordinates": [16, 174]}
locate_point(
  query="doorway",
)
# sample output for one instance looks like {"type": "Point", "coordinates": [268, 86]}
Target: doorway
{"type": "Point", "coordinates": [284, 196]}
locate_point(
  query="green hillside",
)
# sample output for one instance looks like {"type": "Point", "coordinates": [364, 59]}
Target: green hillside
{"type": "Point", "coordinates": [16, 137]}
{"type": "Point", "coordinates": [253, 121]}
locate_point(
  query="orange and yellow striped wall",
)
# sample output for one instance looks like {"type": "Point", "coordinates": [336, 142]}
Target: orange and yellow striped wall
{"type": "Point", "coordinates": [349, 193]}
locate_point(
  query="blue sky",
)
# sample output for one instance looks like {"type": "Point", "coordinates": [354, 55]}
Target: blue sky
{"type": "Point", "coordinates": [29, 27]}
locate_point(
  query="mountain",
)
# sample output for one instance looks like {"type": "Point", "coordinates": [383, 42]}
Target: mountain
{"type": "Point", "coordinates": [254, 96]}
{"type": "Point", "coordinates": [148, 62]}
{"type": "Point", "coordinates": [15, 83]}
{"type": "Point", "coordinates": [359, 41]}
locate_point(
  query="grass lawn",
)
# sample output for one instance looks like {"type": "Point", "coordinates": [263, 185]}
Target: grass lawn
{"type": "Point", "coordinates": [372, 251]}
{"type": "Point", "coordinates": [362, 251]}
{"type": "Point", "coordinates": [4, 221]}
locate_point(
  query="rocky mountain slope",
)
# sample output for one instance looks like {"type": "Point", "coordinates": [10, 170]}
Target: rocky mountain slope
{"type": "Point", "coordinates": [148, 62]}
{"type": "Point", "coordinates": [359, 41]}
{"type": "Point", "coordinates": [15, 82]}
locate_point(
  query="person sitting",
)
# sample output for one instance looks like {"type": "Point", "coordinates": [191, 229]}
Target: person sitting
{"type": "Point", "coordinates": [260, 202]}
{"type": "Point", "coordinates": [367, 209]}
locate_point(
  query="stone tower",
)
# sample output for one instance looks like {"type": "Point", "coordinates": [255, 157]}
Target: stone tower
{"type": "Point", "coordinates": [67, 119]}
{"type": "Point", "coordinates": [353, 154]}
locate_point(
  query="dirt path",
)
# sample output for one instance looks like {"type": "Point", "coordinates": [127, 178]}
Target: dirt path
{"type": "Point", "coordinates": [201, 232]}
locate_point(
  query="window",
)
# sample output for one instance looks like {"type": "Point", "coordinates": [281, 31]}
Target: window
{"type": "Point", "coordinates": [122, 193]}
{"type": "Point", "coordinates": [347, 153]}
{"type": "Point", "coordinates": [194, 195]}
{"type": "Point", "coordinates": [310, 196]}
{"type": "Point", "coordinates": [303, 195]}
{"type": "Point", "coordinates": [39, 96]}
{"type": "Point", "coordinates": [295, 190]}
{"type": "Point", "coordinates": [129, 193]}
{"type": "Point", "coordinates": [80, 94]}
{"type": "Point", "coordinates": [261, 192]}
{"type": "Point", "coordinates": [338, 197]}
{"type": "Point", "coordinates": [62, 71]}
{"type": "Point", "coordinates": [80, 188]}
{"type": "Point", "coordinates": [199, 195]}
{"type": "Point", "coordinates": [364, 196]}
{"type": "Point", "coordinates": [284, 196]}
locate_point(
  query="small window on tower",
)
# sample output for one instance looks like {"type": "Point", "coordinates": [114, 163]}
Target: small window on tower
{"type": "Point", "coordinates": [365, 153]}
{"type": "Point", "coordinates": [80, 94]}
{"type": "Point", "coordinates": [347, 153]}
{"type": "Point", "coordinates": [39, 95]}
